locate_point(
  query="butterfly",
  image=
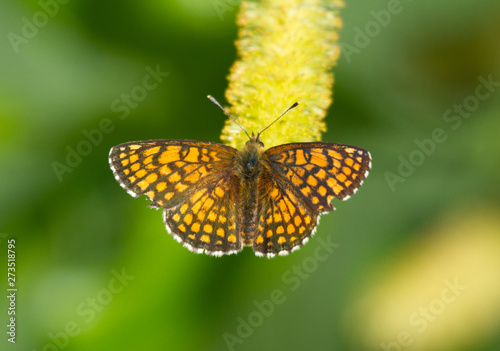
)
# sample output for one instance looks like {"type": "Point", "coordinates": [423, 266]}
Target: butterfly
{"type": "Point", "coordinates": [217, 199]}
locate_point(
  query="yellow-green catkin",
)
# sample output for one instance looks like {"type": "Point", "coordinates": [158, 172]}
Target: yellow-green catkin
{"type": "Point", "coordinates": [287, 49]}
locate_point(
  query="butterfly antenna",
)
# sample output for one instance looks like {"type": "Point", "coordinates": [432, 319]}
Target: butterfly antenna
{"type": "Point", "coordinates": [276, 120]}
{"type": "Point", "coordinates": [223, 109]}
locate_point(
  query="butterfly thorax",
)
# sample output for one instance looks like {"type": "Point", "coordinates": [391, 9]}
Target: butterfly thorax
{"type": "Point", "coordinates": [248, 168]}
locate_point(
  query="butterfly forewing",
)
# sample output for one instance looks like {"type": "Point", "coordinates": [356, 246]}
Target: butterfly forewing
{"type": "Point", "coordinates": [168, 171]}
{"type": "Point", "coordinates": [317, 172]}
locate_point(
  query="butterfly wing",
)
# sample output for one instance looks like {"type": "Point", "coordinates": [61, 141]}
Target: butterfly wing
{"type": "Point", "coordinates": [284, 223]}
{"type": "Point", "coordinates": [303, 178]}
{"type": "Point", "coordinates": [193, 182]}
{"type": "Point", "coordinates": [207, 220]}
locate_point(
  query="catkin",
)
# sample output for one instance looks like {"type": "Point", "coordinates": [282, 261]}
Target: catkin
{"type": "Point", "coordinates": [287, 49]}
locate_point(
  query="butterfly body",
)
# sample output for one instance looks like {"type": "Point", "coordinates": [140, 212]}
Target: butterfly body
{"type": "Point", "coordinates": [248, 167]}
{"type": "Point", "coordinates": [217, 199]}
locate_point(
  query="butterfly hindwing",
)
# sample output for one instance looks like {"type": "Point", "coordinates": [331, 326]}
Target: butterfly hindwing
{"type": "Point", "coordinates": [207, 220]}
{"type": "Point", "coordinates": [284, 224]}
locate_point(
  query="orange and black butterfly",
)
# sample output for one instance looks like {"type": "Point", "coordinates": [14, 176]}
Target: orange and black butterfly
{"type": "Point", "coordinates": [217, 199]}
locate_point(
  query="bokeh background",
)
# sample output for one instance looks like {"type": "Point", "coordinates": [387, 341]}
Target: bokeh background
{"type": "Point", "coordinates": [416, 260]}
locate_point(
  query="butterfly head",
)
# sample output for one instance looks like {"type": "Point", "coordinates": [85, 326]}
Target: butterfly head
{"type": "Point", "coordinates": [255, 139]}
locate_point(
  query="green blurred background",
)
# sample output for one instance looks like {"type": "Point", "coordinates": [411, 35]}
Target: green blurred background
{"type": "Point", "coordinates": [417, 265]}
